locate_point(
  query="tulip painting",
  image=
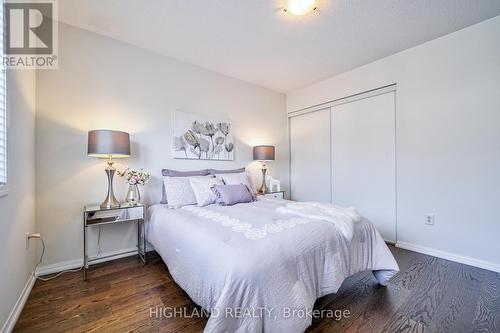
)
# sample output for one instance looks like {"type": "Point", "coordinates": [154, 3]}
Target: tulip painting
{"type": "Point", "coordinates": [195, 138]}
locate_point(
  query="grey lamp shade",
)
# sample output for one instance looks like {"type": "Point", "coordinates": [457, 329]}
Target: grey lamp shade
{"type": "Point", "coordinates": [108, 143]}
{"type": "Point", "coordinates": [263, 153]}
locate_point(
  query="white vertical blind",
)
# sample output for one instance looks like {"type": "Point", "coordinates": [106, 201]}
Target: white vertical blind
{"type": "Point", "coordinates": [3, 108]}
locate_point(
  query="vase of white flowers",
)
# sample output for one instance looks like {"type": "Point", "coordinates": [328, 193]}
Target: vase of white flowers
{"type": "Point", "coordinates": [134, 178]}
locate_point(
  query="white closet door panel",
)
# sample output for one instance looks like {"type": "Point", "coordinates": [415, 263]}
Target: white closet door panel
{"type": "Point", "coordinates": [363, 160]}
{"type": "Point", "coordinates": [310, 158]}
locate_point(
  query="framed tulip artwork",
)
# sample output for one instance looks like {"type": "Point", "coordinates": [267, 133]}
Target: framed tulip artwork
{"type": "Point", "coordinates": [202, 139]}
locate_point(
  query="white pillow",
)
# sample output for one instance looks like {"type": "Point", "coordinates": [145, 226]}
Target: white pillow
{"type": "Point", "coordinates": [202, 189]}
{"type": "Point", "coordinates": [179, 191]}
{"type": "Point", "coordinates": [236, 179]}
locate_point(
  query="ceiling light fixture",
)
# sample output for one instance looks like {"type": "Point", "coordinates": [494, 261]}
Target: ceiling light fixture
{"type": "Point", "coordinates": [299, 7]}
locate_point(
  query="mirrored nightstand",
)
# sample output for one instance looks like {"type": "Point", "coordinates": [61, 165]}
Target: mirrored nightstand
{"type": "Point", "coordinates": [275, 195]}
{"type": "Point", "coordinates": [94, 215]}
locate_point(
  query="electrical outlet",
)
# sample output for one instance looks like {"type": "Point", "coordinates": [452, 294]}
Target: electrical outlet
{"type": "Point", "coordinates": [429, 219]}
{"type": "Point", "coordinates": [29, 236]}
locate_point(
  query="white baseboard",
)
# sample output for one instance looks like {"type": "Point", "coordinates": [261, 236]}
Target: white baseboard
{"type": "Point", "coordinates": [450, 256]}
{"type": "Point", "coordinates": [76, 263]}
{"type": "Point", "coordinates": [18, 307]}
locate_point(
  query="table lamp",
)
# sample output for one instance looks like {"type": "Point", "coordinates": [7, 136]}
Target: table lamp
{"type": "Point", "coordinates": [109, 144]}
{"type": "Point", "coordinates": [263, 154]}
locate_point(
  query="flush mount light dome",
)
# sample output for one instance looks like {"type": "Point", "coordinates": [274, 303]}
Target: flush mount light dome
{"type": "Point", "coordinates": [299, 7]}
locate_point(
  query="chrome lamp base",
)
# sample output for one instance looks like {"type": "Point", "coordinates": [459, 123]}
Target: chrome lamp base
{"type": "Point", "coordinates": [110, 201]}
{"type": "Point", "coordinates": [263, 188]}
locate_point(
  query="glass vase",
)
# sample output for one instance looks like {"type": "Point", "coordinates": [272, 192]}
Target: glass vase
{"type": "Point", "coordinates": [133, 195]}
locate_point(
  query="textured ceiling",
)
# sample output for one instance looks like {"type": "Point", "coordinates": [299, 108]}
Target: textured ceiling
{"type": "Point", "coordinates": [253, 40]}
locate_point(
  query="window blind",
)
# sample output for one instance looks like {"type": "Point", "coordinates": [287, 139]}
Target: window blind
{"type": "Point", "coordinates": [3, 108]}
{"type": "Point", "coordinates": [3, 130]}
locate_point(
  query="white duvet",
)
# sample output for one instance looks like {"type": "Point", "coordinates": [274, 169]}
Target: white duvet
{"type": "Point", "coordinates": [252, 266]}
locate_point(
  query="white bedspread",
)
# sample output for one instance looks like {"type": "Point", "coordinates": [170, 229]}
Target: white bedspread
{"type": "Point", "coordinates": [248, 257]}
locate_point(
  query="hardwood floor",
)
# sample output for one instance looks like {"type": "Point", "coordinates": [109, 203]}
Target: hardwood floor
{"type": "Point", "coordinates": [428, 295]}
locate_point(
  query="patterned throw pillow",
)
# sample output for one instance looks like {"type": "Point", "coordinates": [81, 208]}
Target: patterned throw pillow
{"type": "Point", "coordinates": [179, 191]}
{"type": "Point", "coordinates": [202, 189]}
{"type": "Point", "coordinates": [236, 179]}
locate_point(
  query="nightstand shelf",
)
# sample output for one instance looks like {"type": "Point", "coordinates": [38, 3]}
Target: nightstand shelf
{"type": "Point", "coordinates": [94, 215]}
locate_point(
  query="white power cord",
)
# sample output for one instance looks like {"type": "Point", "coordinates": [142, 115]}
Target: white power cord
{"type": "Point", "coordinates": [40, 261]}
{"type": "Point", "coordinates": [66, 271]}
{"type": "Point", "coordinates": [98, 243]}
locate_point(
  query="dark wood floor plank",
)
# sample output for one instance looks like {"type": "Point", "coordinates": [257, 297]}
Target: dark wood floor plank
{"type": "Point", "coordinates": [428, 295]}
{"type": "Point", "coordinates": [487, 314]}
{"type": "Point", "coordinates": [412, 269]}
{"type": "Point", "coordinates": [462, 288]}
{"type": "Point", "coordinates": [380, 307]}
{"type": "Point", "coordinates": [403, 324]}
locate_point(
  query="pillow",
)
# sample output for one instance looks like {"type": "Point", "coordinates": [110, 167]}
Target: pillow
{"type": "Point", "coordinates": [178, 191]}
{"type": "Point", "coordinates": [218, 172]}
{"type": "Point", "coordinates": [236, 179]}
{"type": "Point", "coordinates": [175, 173]}
{"type": "Point", "coordinates": [201, 188]}
{"type": "Point", "coordinates": [228, 195]}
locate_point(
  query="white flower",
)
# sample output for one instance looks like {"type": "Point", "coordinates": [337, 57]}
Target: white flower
{"type": "Point", "coordinates": [134, 177]}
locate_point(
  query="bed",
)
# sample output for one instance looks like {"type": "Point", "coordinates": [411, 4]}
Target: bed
{"type": "Point", "coordinates": [255, 269]}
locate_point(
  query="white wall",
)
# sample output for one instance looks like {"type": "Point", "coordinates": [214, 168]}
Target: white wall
{"type": "Point", "coordinates": [17, 209]}
{"type": "Point", "coordinates": [448, 138]}
{"type": "Point", "coordinates": [103, 83]}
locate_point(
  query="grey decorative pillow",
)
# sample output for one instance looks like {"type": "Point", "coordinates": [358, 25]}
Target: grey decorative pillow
{"type": "Point", "coordinates": [176, 173]}
{"type": "Point", "coordinates": [228, 195]}
{"type": "Point", "coordinates": [219, 172]}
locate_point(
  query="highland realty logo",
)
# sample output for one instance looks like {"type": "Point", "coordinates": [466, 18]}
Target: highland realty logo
{"type": "Point", "coordinates": [30, 34]}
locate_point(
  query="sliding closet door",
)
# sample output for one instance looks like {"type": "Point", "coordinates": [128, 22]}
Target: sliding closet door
{"type": "Point", "coordinates": [310, 156]}
{"type": "Point", "coordinates": [363, 159]}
